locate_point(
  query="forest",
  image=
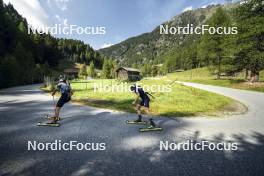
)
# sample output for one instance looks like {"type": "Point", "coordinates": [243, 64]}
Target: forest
{"type": "Point", "coordinates": [26, 58]}
{"type": "Point", "coordinates": [227, 54]}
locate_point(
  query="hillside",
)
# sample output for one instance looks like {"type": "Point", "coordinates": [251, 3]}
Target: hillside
{"type": "Point", "coordinates": [152, 46]}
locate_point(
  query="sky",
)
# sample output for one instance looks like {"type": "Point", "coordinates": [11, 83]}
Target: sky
{"type": "Point", "coordinates": [120, 18]}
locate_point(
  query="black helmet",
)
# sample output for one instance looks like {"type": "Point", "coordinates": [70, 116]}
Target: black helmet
{"type": "Point", "coordinates": [133, 87]}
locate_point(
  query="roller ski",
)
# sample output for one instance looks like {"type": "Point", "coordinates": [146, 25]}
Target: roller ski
{"type": "Point", "coordinates": [151, 127]}
{"type": "Point", "coordinates": [53, 123]}
{"type": "Point", "coordinates": [139, 121]}
{"type": "Point", "coordinates": [50, 124]}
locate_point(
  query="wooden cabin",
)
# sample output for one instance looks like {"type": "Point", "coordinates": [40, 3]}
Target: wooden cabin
{"type": "Point", "coordinates": [71, 72]}
{"type": "Point", "coordinates": [129, 74]}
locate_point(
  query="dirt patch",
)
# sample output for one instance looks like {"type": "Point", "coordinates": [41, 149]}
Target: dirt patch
{"type": "Point", "coordinates": [250, 86]}
{"type": "Point", "coordinates": [256, 84]}
{"type": "Point", "coordinates": [235, 108]}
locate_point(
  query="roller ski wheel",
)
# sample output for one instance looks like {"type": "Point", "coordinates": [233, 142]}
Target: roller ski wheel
{"type": "Point", "coordinates": [136, 122]}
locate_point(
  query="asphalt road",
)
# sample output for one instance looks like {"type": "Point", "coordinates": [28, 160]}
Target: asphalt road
{"type": "Point", "coordinates": [128, 152]}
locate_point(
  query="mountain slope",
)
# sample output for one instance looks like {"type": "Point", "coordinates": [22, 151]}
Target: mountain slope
{"type": "Point", "coordinates": [151, 47]}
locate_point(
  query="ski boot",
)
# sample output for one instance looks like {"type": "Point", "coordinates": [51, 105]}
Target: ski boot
{"type": "Point", "coordinates": [139, 119]}
{"type": "Point", "coordinates": [151, 123]}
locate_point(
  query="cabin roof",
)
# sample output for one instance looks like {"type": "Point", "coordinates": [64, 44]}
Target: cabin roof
{"type": "Point", "coordinates": [128, 69]}
{"type": "Point", "coordinates": [71, 70]}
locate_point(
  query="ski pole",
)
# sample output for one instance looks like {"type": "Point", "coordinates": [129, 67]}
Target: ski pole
{"type": "Point", "coordinates": [150, 95]}
{"type": "Point", "coordinates": [54, 104]}
{"type": "Point", "coordinates": [53, 101]}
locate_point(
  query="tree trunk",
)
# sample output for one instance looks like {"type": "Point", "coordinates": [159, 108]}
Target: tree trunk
{"type": "Point", "coordinates": [254, 76]}
{"type": "Point", "coordinates": [219, 67]}
{"type": "Point", "coordinates": [218, 76]}
{"type": "Point", "coordinates": [257, 76]}
{"type": "Point", "coordinates": [246, 76]}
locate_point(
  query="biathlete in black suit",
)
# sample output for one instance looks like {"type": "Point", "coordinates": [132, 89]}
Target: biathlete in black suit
{"type": "Point", "coordinates": [141, 103]}
{"type": "Point", "coordinates": [66, 92]}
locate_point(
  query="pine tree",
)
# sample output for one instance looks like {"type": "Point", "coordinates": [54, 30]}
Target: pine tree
{"type": "Point", "coordinates": [215, 44]}
{"type": "Point", "coordinates": [91, 70]}
{"type": "Point", "coordinates": [9, 75]}
{"type": "Point", "coordinates": [250, 39]}
{"type": "Point", "coordinates": [146, 70]}
{"type": "Point", "coordinates": [111, 67]}
{"type": "Point", "coordinates": [163, 70]}
{"type": "Point", "coordinates": [106, 72]}
{"type": "Point", "coordinates": [83, 71]}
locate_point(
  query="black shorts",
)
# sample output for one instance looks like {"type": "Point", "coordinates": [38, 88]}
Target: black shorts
{"type": "Point", "coordinates": [63, 99]}
{"type": "Point", "coordinates": [144, 102]}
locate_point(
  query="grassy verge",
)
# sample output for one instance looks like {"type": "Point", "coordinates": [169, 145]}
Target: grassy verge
{"type": "Point", "coordinates": [203, 76]}
{"type": "Point", "coordinates": [181, 101]}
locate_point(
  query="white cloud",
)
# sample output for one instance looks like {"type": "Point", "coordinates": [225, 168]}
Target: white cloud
{"type": "Point", "coordinates": [32, 11]}
{"type": "Point", "coordinates": [206, 5]}
{"type": "Point", "coordinates": [63, 21]}
{"type": "Point", "coordinates": [61, 4]}
{"type": "Point", "coordinates": [105, 45]}
{"type": "Point", "coordinates": [187, 8]}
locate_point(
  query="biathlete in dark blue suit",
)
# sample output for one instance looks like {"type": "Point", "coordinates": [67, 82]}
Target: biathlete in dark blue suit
{"type": "Point", "coordinates": [141, 102]}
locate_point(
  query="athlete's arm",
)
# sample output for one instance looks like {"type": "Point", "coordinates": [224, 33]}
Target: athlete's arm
{"type": "Point", "coordinates": [56, 90]}
{"type": "Point", "coordinates": [71, 91]}
{"type": "Point", "coordinates": [136, 99]}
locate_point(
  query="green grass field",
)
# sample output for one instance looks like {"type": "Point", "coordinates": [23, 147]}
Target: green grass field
{"type": "Point", "coordinates": [181, 101]}
{"type": "Point", "coordinates": [203, 76]}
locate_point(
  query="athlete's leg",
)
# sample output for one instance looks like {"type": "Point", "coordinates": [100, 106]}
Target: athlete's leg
{"type": "Point", "coordinates": [57, 112]}
{"type": "Point", "coordinates": [63, 99]}
{"type": "Point", "coordinates": [55, 118]}
{"type": "Point", "coordinates": [147, 111]}
{"type": "Point", "coordinates": [138, 109]}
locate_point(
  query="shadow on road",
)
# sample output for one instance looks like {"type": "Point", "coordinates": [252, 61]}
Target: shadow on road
{"type": "Point", "coordinates": [247, 160]}
{"type": "Point", "coordinates": [128, 152]}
